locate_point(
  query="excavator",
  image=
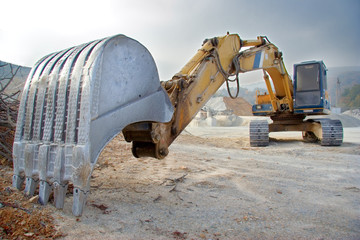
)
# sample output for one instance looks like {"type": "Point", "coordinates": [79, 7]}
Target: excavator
{"type": "Point", "coordinates": [76, 100]}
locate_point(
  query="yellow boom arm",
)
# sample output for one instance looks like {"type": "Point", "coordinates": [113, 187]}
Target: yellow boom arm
{"type": "Point", "coordinates": [201, 77]}
{"type": "Point", "coordinates": [188, 91]}
{"type": "Point", "coordinates": [266, 56]}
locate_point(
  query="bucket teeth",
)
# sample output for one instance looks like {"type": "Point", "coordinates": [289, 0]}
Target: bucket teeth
{"type": "Point", "coordinates": [73, 103]}
{"type": "Point", "coordinates": [17, 181]}
{"type": "Point", "coordinates": [79, 201]}
{"type": "Point", "coordinates": [59, 194]}
{"type": "Point", "coordinates": [30, 186]}
{"type": "Point", "coordinates": [45, 190]}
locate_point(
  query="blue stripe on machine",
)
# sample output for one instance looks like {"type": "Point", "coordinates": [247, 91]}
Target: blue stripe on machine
{"type": "Point", "coordinates": [257, 60]}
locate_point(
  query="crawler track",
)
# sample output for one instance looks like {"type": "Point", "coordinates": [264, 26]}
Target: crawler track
{"type": "Point", "coordinates": [332, 132]}
{"type": "Point", "coordinates": [259, 133]}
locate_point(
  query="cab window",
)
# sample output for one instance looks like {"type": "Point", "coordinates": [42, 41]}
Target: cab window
{"type": "Point", "coordinates": [307, 77]}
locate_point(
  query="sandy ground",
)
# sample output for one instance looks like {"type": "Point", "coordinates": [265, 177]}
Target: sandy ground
{"type": "Point", "coordinates": [213, 185]}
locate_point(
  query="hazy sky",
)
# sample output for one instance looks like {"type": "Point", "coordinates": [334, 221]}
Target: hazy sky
{"type": "Point", "coordinates": [173, 30]}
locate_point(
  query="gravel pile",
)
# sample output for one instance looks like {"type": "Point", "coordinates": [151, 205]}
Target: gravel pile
{"type": "Point", "coordinates": [353, 113]}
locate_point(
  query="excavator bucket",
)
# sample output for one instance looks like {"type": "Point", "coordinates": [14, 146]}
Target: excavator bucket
{"type": "Point", "coordinates": [74, 102]}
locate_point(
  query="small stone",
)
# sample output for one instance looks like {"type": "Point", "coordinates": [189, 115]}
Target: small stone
{"type": "Point", "coordinates": [202, 235]}
{"type": "Point", "coordinates": [34, 199]}
{"type": "Point", "coordinates": [10, 190]}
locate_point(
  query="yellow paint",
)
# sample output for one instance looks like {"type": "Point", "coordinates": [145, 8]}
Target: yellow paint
{"type": "Point", "coordinates": [272, 64]}
{"type": "Point", "coordinates": [203, 78]}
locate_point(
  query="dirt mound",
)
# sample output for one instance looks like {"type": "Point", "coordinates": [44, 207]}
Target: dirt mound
{"type": "Point", "coordinates": [217, 104]}
{"type": "Point", "coordinates": [239, 106]}
{"type": "Point", "coordinates": [353, 113]}
{"type": "Point", "coordinates": [346, 120]}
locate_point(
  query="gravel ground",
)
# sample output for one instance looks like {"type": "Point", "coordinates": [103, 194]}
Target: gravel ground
{"type": "Point", "coordinates": [214, 186]}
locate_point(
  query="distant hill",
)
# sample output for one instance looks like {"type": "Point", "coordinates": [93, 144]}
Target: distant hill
{"type": "Point", "coordinates": [12, 78]}
{"type": "Point", "coordinates": [347, 76]}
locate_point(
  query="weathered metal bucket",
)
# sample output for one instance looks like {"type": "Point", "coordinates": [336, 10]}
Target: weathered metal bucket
{"type": "Point", "coordinates": [74, 102]}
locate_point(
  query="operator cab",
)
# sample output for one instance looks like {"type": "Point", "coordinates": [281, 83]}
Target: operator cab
{"type": "Point", "coordinates": [310, 88]}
